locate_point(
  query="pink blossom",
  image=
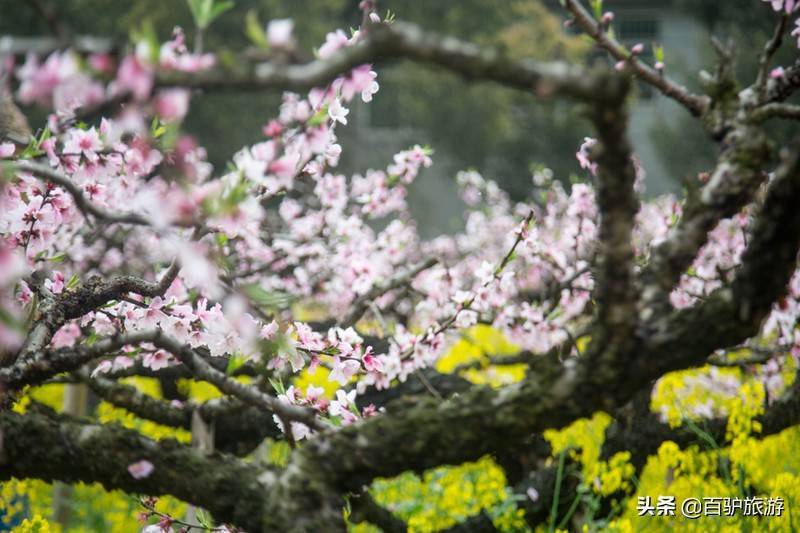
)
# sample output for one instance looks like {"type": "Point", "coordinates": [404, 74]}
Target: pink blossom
{"type": "Point", "coordinates": [56, 285]}
{"type": "Point", "coordinates": [141, 469]}
{"type": "Point", "coordinates": [333, 41]}
{"type": "Point", "coordinates": [485, 273]}
{"type": "Point", "coordinates": [156, 528]}
{"type": "Point", "coordinates": [273, 128]}
{"type": "Point", "coordinates": [466, 318]}
{"type": "Point", "coordinates": [342, 371]}
{"type": "Point", "coordinates": [66, 336]}
{"type": "Point", "coordinates": [786, 6]}
{"type": "Point", "coordinates": [279, 33]}
{"type": "Point", "coordinates": [156, 360]}
{"type": "Point", "coordinates": [314, 393]}
{"type": "Point", "coordinates": [269, 331]}
{"type": "Point", "coordinates": [7, 150]}
{"type": "Point", "coordinates": [60, 72]}
{"type": "Point", "coordinates": [361, 80]}
{"type": "Point", "coordinates": [371, 363]}
{"type": "Point", "coordinates": [172, 104]}
{"type": "Point", "coordinates": [12, 265]}
{"type": "Point", "coordinates": [337, 111]}
{"type": "Point", "coordinates": [102, 368]}
{"type": "Point", "coordinates": [583, 155]}
{"type": "Point", "coordinates": [102, 62]}
{"type": "Point", "coordinates": [122, 362]}
{"type": "Point", "coordinates": [342, 402]}
{"type": "Point", "coordinates": [135, 76]}
{"type": "Point", "coordinates": [83, 142]}
{"type": "Point", "coordinates": [777, 73]}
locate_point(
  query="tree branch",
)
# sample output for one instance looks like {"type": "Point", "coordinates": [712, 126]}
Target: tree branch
{"type": "Point", "coordinates": [765, 59]}
{"type": "Point", "coordinates": [617, 203]}
{"type": "Point", "coordinates": [782, 88]}
{"type": "Point", "coordinates": [248, 394]}
{"type": "Point", "coordinates": [737, 176]}
{"type": "Point", "coordinates": [697, 105]}
{"type": "Point", "coordinates": [28, 371]}
{"type": "Point", "coordinates": [87, 207]}
{"type": "Point", "coordinates": [733, 313]}
{"type": "Point", "coordinates": [56, 310]}
{"type": "Point", "coordinates": [49, 448]}
{"type": "Point", "coordinates": [403, 40]}
{"type": "Point", "coordinates": [775, 110]}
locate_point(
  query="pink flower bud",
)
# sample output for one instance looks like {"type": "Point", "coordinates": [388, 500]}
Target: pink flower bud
{"type": "Point", "coordinates": [273, 129]}
{"type": "Point", "coordinates": [637, 49]}
{"type": "Point", "coordinates": [608, 17]}
{"type": "Point", "coordinates": [141, 469]}
{"type": "Point", "coordinates": [777, 73]}
{"type": "Point", "coordinates": [569, 23]}
{"type": "Point", "coordinates": [659, 66]}
{"type": "Point", "coordinates": [7, 149]}
{"type": "Point", "coordinates": [374, 17]}
{"type": "Point", "coordinates": [101, 62]}
{"type": "Point", "coordinates": [620, 66]}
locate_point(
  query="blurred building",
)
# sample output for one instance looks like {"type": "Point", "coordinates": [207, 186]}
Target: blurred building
{"type": "Point", "coordinates": [684, 39]}
{"type": "Point", "coordinates": [379, 130]}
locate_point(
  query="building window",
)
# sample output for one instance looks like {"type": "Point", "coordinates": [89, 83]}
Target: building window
{"type": "Point", "coordinates": [638, 29]}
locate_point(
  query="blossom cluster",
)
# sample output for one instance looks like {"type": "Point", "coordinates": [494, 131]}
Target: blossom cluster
{"type": "Point", "coordinates": [285, 263]}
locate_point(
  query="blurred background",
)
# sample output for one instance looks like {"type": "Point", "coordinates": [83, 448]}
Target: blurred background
{"type": "Point", "coordinates": [499, 132]}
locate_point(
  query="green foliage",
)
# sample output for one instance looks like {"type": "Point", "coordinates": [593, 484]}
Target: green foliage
{"type": "Point", "coordinates": [205, 12]}
{"type": "Point", "coordinates": [597, 8]}
{"type": "Point", "coordinates": [255, 30]}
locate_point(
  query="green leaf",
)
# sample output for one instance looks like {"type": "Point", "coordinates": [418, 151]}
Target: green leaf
{"type": "Point", "coordinates": [658, 51]}
{"type": "Point", "coordinates": [203, 518]}
{"type": "Point", "coordinates": [58, 258]}
{"type": "Point", "coordinates": [255, 30]}
{"type": "Point", "coordinates": [147, 33]}
{"type": "Point", "coordinates": [597, 7]}
{"type": "Point", "coordinates": [354, 409]}
{"type": "Point", "coordinates": [235, 363]}
{"type": "Point", "coordinates": [199, 9]}
{"type": "Point", "coordinates": [91, 339]}
{"type": "Point", "coordinates": [73, 281]}
{"type": "Point", "coordinates": [277, 384]}
{"type": "Point", "coordinates": [267, 299]}
{"type": "Point", "coordinates": [219, 8]}
{"type": "Point", "coordinates": [319, 118]}
{"type": "Point", "coordinates": [204, 12]}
